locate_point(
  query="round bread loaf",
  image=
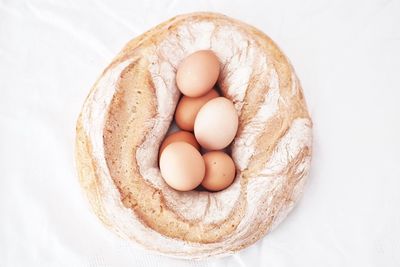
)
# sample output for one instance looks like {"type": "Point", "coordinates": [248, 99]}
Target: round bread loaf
{"type": "Point", "coordinates": [130, 108]}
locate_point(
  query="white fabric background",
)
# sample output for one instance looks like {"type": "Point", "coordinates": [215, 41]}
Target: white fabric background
{"type": "Point", "coordinates": [347, 56]}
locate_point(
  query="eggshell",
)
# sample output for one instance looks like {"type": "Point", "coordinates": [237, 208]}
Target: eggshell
{"type": "Point", "coordinates": [179, 136]}
{"type": "Point", "coordinates": [216, 124]}
{"type": "Point", "coordinates": [188, 107]}
{"type": "Point", "coordinates": [220, 171]}
{"type": "Point", "coordinates": [198, 73]}
{"type": "Point", "coordinates": [182, 166]}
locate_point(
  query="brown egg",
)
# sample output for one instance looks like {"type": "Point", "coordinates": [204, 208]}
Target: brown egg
{"type": "Point", "coordinates": [188, 107]}
{"type": "Point", "coordinates": [220, 171]}
{"type": "Point", "coordinates": [179, 136]}
{"type": "Point", "coordinates": [182, 166]}
{"type": "Point", "coordinates": [198, 73]}
{"type": "Point", "coordinates": [216, 124]}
